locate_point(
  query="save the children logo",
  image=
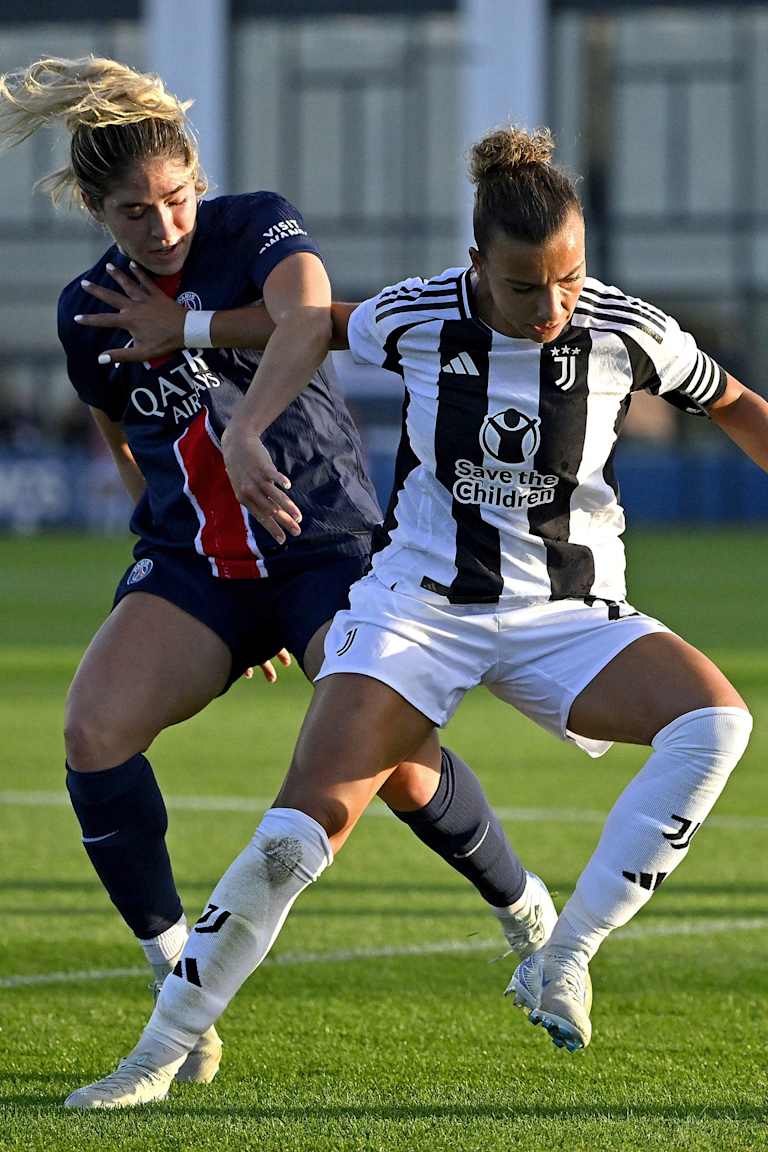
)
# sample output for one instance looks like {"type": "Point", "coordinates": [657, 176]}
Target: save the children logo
{"type": "Point", "coordinates": [509, 437]}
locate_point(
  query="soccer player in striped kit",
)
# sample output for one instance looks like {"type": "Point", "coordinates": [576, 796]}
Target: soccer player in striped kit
{"type": "Point", "coordinates": [222, 579]}
{"type": "Point", "coordinates": [500, 562]}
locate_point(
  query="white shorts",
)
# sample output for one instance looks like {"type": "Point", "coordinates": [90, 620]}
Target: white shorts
{"type": "Point", "coordinates": [537, 658]}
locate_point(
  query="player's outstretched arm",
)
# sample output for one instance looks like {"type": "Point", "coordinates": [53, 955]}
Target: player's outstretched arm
{"type": "Point", "coordinates": [252, 327]}
{"type": "Point", "coordinates": [156, 322]}
{"type": "Point", "coordinates": [743, 416]}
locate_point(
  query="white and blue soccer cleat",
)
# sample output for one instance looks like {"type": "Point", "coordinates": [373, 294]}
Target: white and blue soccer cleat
{"type": "Point", "coordinates": [528, 929]}
{"type": "Point", "coordinates": [525, 984]}
{"type": "Point", "coordinates": [137, 1080]}
{"type": "Point", "coordinates": [554, 987]}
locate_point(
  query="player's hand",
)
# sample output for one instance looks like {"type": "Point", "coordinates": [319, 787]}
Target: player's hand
{"type": "Point", "coordinates": [256, 482]}
{"type": "Point", "coordinates": [268, 669]}
{"type": "Point", "coordinates": [154, 320]}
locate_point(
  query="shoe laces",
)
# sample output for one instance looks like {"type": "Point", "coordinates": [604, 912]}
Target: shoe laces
{"type": "Point", "coordinates": [526, 927]}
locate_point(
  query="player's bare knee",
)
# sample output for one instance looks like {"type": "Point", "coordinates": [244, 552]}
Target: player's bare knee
{"type": "Point", "coordinates": [331, 813]}
{"type": "Point", "coordinates": [92, 743]}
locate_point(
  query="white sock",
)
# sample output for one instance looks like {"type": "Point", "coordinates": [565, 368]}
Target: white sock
{"type": "Point", "coordinates": [163, 951]}
{"type": "Point", "coordinates": [242, 919]}
{"type": "Point", "coordinates": [509, 915]}
{"type": "Point", "coordinates": [649, 829]}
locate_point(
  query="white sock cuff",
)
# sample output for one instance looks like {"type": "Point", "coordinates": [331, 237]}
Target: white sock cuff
{"type": "Point", "coordinates": [735, 725]}
{"type": "Point", "coordinates": [168, 944]}
{"type": "Point", "coordinates": [293, 822]}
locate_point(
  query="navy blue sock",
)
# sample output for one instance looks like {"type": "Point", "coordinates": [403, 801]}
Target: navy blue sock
{"type": "Point", "coordinates": [124, 821]}
{"type": "Point", "coordinates": [459, 824]}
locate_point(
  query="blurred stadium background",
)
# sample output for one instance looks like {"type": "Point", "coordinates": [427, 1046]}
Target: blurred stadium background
{"type": "Point", "coordinates": [360, 111]}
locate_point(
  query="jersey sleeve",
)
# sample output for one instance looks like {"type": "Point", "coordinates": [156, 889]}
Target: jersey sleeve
{"type": "Point", "coordinates": [682, 373]}
{"type": "Point", "coordinates": [371, 325]}
{"type": "Point", "coordinates": [275, 230]}
{"type": "Point", "coordinates": [89, 379]}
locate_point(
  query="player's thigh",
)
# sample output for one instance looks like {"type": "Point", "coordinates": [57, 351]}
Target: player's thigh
{"type": "Point", "coordinates": [356, 730]}
{"type": "Point", "coordinates": [414, 781]}
{"type": "Point", "coordinates": [313, 653]}
{"type": "Point", "coordinates": [649, 684]}
{"type": "Point", "coordinates": [150, 665]}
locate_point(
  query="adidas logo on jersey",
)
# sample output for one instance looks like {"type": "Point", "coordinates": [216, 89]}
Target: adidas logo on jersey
{"type": "Point", "coordinates": [461, 365]}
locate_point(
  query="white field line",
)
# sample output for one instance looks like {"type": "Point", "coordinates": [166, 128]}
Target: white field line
{"type": "Point", "coordinates": [652, 931]}
{"type": "Point", "coordinates": [260, 804]}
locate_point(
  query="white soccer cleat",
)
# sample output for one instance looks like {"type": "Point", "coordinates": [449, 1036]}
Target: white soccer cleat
{"type": "Point", "coordinates": [202, 1063]}
{"type": "Point", "coordinates": [555, 988]}
{"type": "Point", "coordinates": [136, 1080]}
{"type": "Point", "coordinates": [529, 928]}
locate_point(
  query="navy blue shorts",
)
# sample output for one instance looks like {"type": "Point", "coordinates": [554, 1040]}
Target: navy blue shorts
{"type": "Point", "coordinates": [254, 618]}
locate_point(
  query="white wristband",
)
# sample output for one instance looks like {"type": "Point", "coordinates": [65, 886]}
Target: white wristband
{"type": "Point", "coordinates": [197, 329]}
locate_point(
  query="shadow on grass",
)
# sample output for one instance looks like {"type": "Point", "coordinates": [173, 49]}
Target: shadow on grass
{"type": "Point", "coordinates": [735, 1113]}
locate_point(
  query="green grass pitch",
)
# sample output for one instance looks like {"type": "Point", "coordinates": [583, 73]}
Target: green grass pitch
{"type": "Point", "coordinates": [379, 1022]}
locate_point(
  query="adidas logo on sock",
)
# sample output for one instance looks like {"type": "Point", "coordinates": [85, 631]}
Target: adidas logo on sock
{"type": "Point", "coordinates": [649, 880]}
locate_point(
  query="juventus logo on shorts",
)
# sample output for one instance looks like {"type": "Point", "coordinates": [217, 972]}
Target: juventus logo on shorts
{"type": "Point", "coordinates": [683, 835]}
{"type": "Point", "coordinates": [348, 642]}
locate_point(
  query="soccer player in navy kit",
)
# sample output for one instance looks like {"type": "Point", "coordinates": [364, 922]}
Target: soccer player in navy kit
{"type": "Point", "coordinates": [221, 580]}
{"type": "Point", "coordinates": [500, 562]}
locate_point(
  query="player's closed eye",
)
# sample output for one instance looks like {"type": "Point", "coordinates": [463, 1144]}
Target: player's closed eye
{"type": "Point", "coordinates": [136, 214]}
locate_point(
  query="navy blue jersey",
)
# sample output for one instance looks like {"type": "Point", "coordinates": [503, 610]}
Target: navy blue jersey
{"type": "Point", "coordinates": [173, 411]}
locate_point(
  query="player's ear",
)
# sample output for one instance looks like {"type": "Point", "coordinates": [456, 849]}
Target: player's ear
{"type": "Point", "coordinates": [475, 257]}
{"type": "Point", "coordinates": [93, 207]}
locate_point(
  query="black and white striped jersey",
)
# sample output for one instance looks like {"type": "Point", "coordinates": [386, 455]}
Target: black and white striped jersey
{"type": "Point", "coordinates": [504, 484]}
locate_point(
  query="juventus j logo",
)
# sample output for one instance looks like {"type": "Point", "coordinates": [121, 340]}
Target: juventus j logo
{"type": "Point", "coordinates": [349, 640]}
{"type": "Point", "coordinates": [682, 836]}
{"type": "Point", "coordinates": [205, 924]}
{"type": "Point", "coordinates": [565, 358]}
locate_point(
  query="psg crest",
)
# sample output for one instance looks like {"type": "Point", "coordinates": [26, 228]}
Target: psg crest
{"type": "Point", "coordinates": [140, 569]}
{"type": "Point", "coordinates": [510, 436]}
{"type": "Point", "coordinates": [191, 301]}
